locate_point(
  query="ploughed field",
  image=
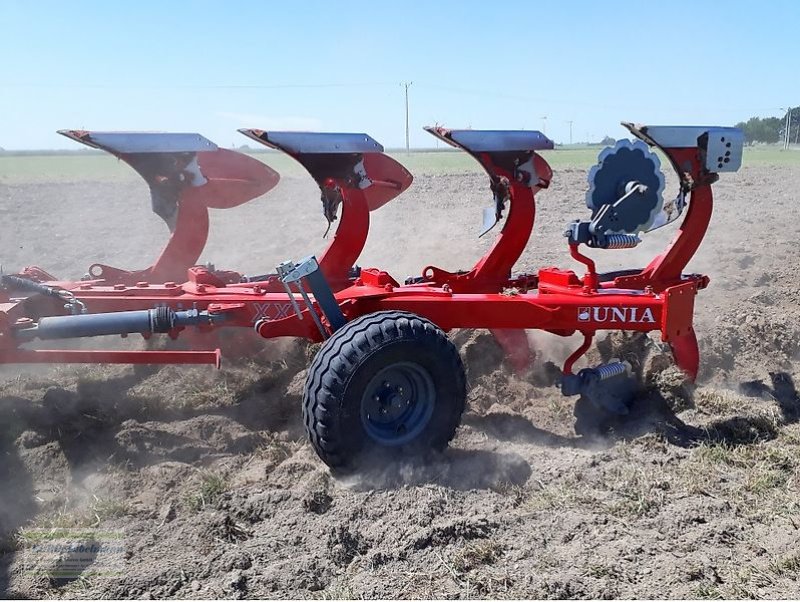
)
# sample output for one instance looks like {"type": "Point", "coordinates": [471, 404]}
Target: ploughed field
{"type": "Point", "coordinates": [209, 480]}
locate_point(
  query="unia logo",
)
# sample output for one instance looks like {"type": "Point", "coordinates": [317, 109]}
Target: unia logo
{"type": "Point", "coordinates": [615, 314]}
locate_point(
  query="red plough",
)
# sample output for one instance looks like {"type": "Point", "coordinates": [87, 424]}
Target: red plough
{"type": "Point", "coordinates": [387, 375]}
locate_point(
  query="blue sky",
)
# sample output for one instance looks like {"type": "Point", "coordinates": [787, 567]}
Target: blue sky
{"type": "Point", "coordinates": [337, 66]}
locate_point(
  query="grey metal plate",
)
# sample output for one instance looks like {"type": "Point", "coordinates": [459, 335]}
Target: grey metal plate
{"type": "Point", "coordinates": [681, 136]}
{"type": "Point", "coordinates": [480, 141]}
{"type": "Point", "coordinates": [725, 147]}
{"type": "Point", "coordinates": [142, 142]}
{"type": "Point", "coordinates": [315, 142]}
{"type": "Point", "coordinates": [723, 150]}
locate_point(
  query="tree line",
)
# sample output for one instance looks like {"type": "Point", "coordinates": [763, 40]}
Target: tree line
{"type": "Point", "coordinates": [771, 129]}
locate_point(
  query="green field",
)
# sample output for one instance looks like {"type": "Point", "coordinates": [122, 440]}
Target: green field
{"type": "Point", "coordinates": [76, 167]}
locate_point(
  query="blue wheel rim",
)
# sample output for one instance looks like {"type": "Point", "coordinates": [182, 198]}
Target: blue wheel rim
{"type": "Point", "coordinates": [398, 403]}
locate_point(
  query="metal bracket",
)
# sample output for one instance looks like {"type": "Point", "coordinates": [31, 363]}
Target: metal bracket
{"type": "Point", "coordinates": [308, 269]}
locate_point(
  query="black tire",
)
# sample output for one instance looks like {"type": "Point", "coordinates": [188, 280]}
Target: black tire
{"type": "Point", "coordinates": [344, 371]}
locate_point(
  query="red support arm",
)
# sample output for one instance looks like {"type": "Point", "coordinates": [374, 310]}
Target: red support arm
{"type": "Point", "coordinates": [348, 240]}
{"type": "Point", "coordinates": [666, 268]}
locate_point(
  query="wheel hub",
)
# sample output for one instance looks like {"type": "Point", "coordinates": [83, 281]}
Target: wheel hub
{"type": "Point", "coordinates": [398, 403]}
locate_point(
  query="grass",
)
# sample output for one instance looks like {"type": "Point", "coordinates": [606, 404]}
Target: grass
{"type": "Point", "coordinates": [747, 581]}
{"type": "Point", "coordinates": [340, 590]}
{"type": "Point", "coordinates": [211, 487]}
{"type": "Point", "coordinates": [103, 508]}
{"type": "Point", "coordinates": [719, 402]}
{"type": "Point", "coordinates": [747, 456]}
{"type": "Point", "coordinates": [99, 510]}
{"type": "Point", "coordinates": [475, 554]}
{"type": "Point", "coordinates": [787, 566]}
{"type": "Point", "coordinates": [638, 493]}
{"type": "Point", "coordinates": [568, 493]}
{"type": "Point", "coordinates": [65, 168]}
{"type": "Point", "coordinates": [93, 167]}
{"type": "Point", "coordinates": [604, 571]}
{"type": "Point", "coordinates": [708, 591]}
{"type": "Point", "coordinates": [758, 480]}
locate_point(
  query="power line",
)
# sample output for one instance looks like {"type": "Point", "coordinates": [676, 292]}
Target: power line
{"type": "Point", "coordinates": [192, 86]}
{"type": "Point", "coordinates": [580, 103]}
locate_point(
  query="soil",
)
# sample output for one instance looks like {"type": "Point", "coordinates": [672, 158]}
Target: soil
{"type": "Point", "coordinates": [209, 477]}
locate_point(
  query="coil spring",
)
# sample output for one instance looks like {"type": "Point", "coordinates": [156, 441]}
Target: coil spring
{"type": "Point", "coordinates": [607, 371]}
{"type": "Point", "coordinates": [622, 241]}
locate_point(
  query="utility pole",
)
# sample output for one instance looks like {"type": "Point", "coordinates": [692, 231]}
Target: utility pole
{"type": "Point", "coordinates": [544, 124]}
{"type": "Point", "coordinates": [788, 127]}
{"type": "Point", "coordinates": [570, 131]}
{"type": "Point", "coordinates": [796, 134]}
{"type": "Point", "coordinates": [406, 85]}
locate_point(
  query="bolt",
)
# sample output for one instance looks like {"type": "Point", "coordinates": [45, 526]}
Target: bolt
{"type": "Point", "coordinates": [142, 284]}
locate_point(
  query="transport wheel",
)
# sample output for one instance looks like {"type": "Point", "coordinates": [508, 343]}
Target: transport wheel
{"type": "Point", "coordinates": [390, 380]}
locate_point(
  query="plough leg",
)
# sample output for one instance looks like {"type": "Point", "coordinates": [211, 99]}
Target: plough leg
{"type": "Point", "coordinates": [516, 346]}
{"type": "Point", "coordinates": [686, 353]}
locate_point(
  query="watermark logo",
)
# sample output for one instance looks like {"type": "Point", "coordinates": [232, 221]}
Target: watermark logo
{"type": "Point", "coordinates": [270, 311]}
{"type": "Point", "coordinates": [73, 553]}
